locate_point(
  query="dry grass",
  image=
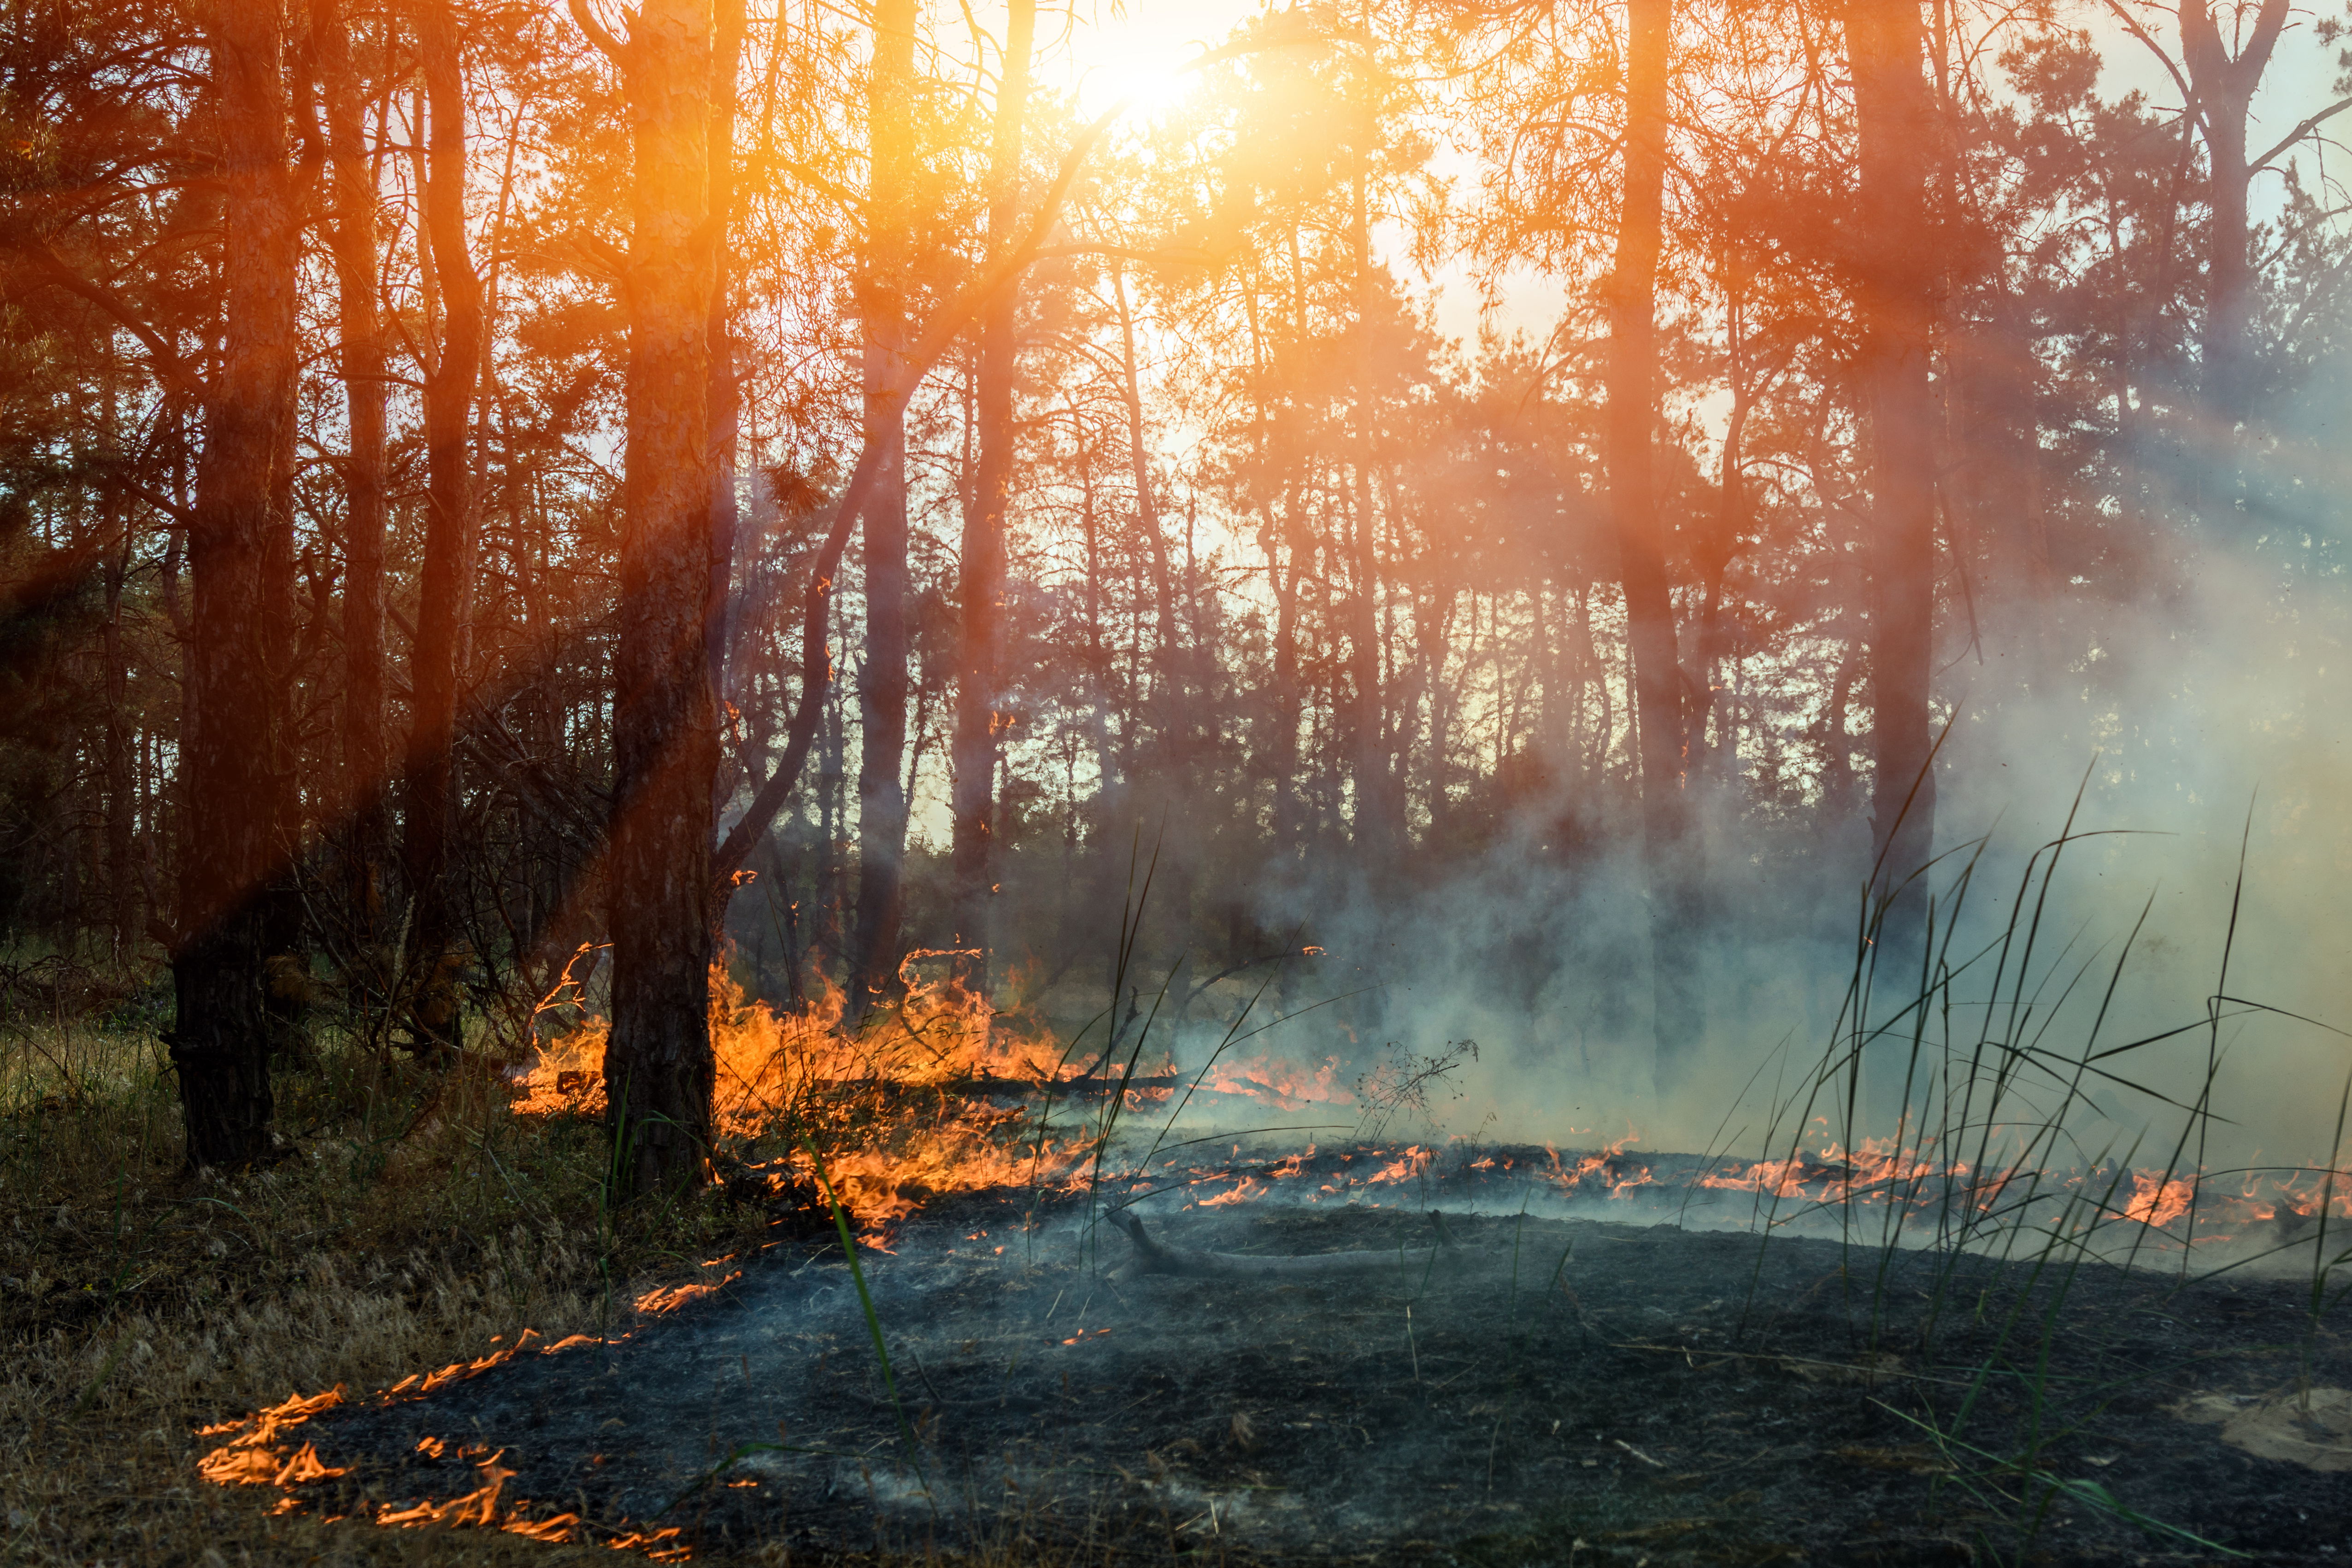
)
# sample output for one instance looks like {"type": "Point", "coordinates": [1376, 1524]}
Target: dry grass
{"type": "Point", "coordinates": [419, 1221]}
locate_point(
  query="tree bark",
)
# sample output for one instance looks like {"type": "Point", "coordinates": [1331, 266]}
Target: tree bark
{"type": "Point", "coordinates": [980, 713]}
{"type": "Point", "coordinates": [1670, 847]}
{"type": "Point", "coordinates": [367, 760]}
{"type": "Point", "coordinates": [444, 582]}
{"type": "Point", "coordinates": [882, 678]}
{"type": "Point", "coordinates": [1895, 293]}
{"type": "Point", "coordinates": [235, 704]}
{"type": "Point", "coordinates": [658, 1067]}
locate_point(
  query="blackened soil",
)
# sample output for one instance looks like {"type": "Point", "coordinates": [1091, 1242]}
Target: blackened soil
{"type": "Point", "coordinates": [1556, 1391]}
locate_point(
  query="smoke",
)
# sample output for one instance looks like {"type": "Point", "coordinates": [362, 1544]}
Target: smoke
{"type": "Point", "coordinates": [2173, 731]}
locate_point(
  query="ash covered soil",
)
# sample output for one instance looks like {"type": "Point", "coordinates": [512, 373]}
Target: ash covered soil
{"type": "Point", "coordinates": [1547, 1390]}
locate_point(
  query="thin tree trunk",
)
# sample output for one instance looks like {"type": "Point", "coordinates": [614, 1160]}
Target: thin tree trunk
{"type": "Point", "coordinates": [1108, 780]}
{"type": "Point", "coordinates": [1281, 541]}
{"type": "Point", "coordinates": [444, 581]}
{"type": "Point", "coordinates": [284, 921]}
{"type": "Point", "coordinates": [1168, 696]}
{"type": "Point", "coordinates": [1894, 119]}
{"type": "Point", "coordinates": [725, 394]}
{"type": "Point", "coordinates": [658, 1067]}
{"type": "Point", "coordinates": [1380, 807]}
{"type": "Point", "coordinates": [360, 340]}
{"type": "Point", "coordinates": [235, 707]}
{"type": "Point", "coordinates": [882, 677]}
{"type": "Point", "coordinates": [1721, 546]}
{"type": "Point", "coordinates": [1670, 847]}
{"type": "Point", "coordinates": [121, 804]}
{"type": "Point", "coordinates": [979, 703]}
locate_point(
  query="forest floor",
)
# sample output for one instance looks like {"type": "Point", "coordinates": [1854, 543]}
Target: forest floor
{"type": "Point", "coordinates": [1554, 1388]}
{"type": "Point", "coordinates": [1557, 1391]}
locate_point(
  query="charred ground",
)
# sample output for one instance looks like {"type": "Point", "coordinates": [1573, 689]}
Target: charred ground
{"type": "Point", "coordinates": [1551, 1390]}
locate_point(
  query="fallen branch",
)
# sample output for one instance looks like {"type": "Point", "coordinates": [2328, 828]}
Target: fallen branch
{"type": "Point", "coordinates": [1151, 1258]}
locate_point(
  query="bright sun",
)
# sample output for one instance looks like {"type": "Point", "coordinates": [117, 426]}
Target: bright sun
{"type": "Point", "coordinates": [1147, 85]}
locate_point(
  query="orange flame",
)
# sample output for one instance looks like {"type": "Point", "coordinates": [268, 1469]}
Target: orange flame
{"type": "Point", "coordinates": [818, 1067]}
{"type": "Point", "coordinates": [2156, 1201]}
{"type": "Point", "coordinates": [1281, 1084]}
{"type": "Point", "coordinates": [664, 1299]}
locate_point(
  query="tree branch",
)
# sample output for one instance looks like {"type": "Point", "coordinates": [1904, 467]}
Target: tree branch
{"type": "Point", "coordinates": [2131, 26]}
{"type": "Point", "coordinates": [611, 48]}
{"type": "Point", "coordinates": [169, 365]}
{"type": "Point", "coordinates": [2302, 131]}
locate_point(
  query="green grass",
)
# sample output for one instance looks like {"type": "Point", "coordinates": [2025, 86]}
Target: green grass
{"type": "Point", "coordinates": [1992, 1081]}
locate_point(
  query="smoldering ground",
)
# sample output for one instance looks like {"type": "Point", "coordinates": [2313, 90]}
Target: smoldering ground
{"type": "Point", "coordinates": [1559, 1390]}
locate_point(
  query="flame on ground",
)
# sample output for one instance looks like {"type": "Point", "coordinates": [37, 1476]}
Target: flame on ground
{"type": "Point", "coordinates": [1284, 1085]}
{"type": "Point", "coordinates": [256, 1456]}
{"type": "Point", "coordinates": [667, 1299]}
{"type": "Point", "coordinates": [894, 1097]}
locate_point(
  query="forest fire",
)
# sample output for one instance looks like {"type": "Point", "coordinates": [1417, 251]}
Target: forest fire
{"type": "Point", "coordinates": [902, 1095]}
{"type": "Point", "coordinates": [757, 682]}
{"type": "Point", "coordinates": [936, 1104]}
{"type": "Point", "coordinates": [944, 1096]}
{"type": "Point", "coordinates": [308, 1448]}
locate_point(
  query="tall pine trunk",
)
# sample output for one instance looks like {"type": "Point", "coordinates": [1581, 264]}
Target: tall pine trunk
{"type": "Point", "coordinates": [1893, 116]}
{"type": "Point", "coordinates": [236, 705]}
{"type": "Point", "coordinates": [882, 678]}
{"type": "Point", "coordinates": [445, 583]}
{"type": "Point", "coordinates": [658, 1067]}
{"type": "Point", "coordinates": [1670, 847]}
{"type": "Point", "coordinates": [979, 703]}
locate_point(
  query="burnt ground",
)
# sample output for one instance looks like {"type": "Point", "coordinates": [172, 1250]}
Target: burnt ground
{"type": "Point", "coordinates": [1556, 1389]}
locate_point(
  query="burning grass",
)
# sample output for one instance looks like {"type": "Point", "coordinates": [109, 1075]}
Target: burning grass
{"type": "Point", "coordinates": [421, 1226]}
{"type": "Point", "coordinates": [896, 1100]}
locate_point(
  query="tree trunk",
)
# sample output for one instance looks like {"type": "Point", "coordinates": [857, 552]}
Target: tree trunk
{"type": "Point", "coordinates": [235, 704]}
{"type": "Point", "coordinates": [882, 678]}
{"type": "Point", "coordinates": [1168, 699]}
{"type": "Point", "coordinates": [1670, 848]}
{"type": "Point", "coordinates": [659, 1069]}
{"type": "Point", "coordinates": [980, 704]}
{"type": "Point", "coordinates": [366, 759]}
{"type": "Point", "coordinates": [1380, 806]}
{"type": "Point", "coordinates": [121, 813]}
{"type": "Point", "coordinates": [1281, 539]}
{"type": "Point", "coordinates": [444, 582]}
{"type": "Point", "coordinates": [2225, 92]}
{"type": "Point", "coordinates": [1896, 295]}
{"type": "Point", "coordinates": [284, 920]}
{"type": "Point", "coordinates": [1718, 545]}
{"type": "Point", "coordinates": [726, 396]}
